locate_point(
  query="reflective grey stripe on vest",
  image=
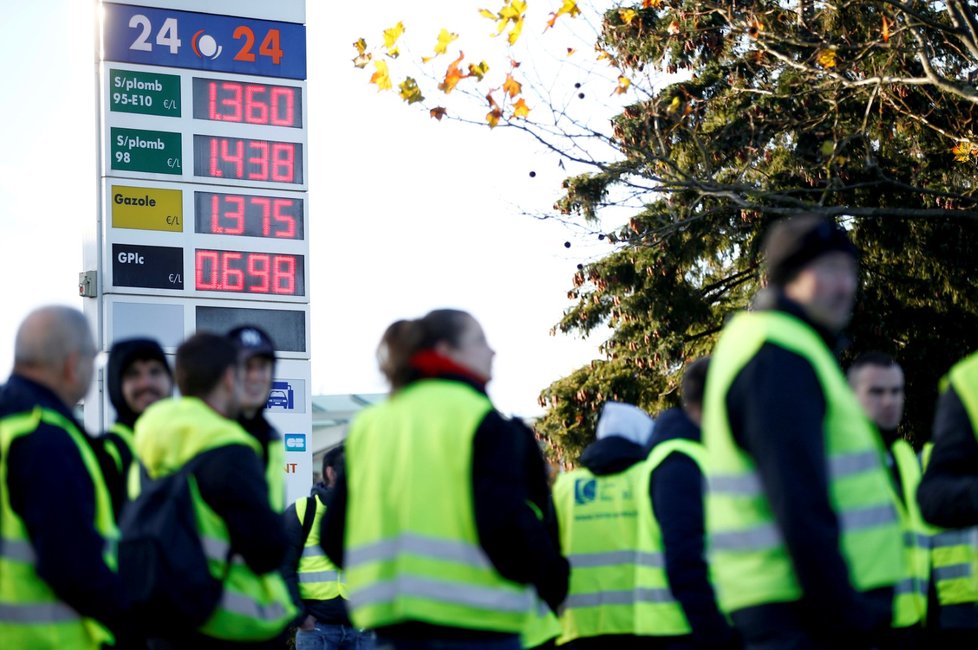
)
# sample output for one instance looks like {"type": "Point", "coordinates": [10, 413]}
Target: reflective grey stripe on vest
{"type": "Point", "coordinates": [497, 600]}
{"type": "Point", "coordinates": [868, 517]}
{"type": "Point", "coordinates": [844, 465]}
{"type": "Point", "coordinates": [918, 540]}
{"type": "Point", "coordinates": [17, 550]}
{"type": "Point", "coordinates": [250, 608]}
{"type": "Point", "coordinates": [313, 551]}
{"type": "Point", "coordinates": [967, 537]}
{"type": "Point", "coordinates": [630, 597]}
{"type": "Point", "coordinates": [215, 549]}
{"type": "Point", "coordinates": [952, 572]}
{"type": "Point", "coordinates": [37, 613]}
{"type": "Point", "coordinates": [758, 538]}
{"type": "Point", "coordinates": [909, 586]}
{"type": "Point", "coordinates": [742, 485]}
{"type": "Point", "coordinates": [319, 576]}
{"type": "Point", "coordinates": [615, 558]}
{"type": "Point", "coordinates": [436, 549]}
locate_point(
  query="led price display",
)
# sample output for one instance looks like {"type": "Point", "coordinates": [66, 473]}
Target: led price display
{"type": "Point", "coordinates": [247, 103]}
{"type": "Point", "coordinates": [248, 215]}
{"type": "Point", "coordinates": [245, 159]}
{"type": "Point", "coordinates": [275, 274]}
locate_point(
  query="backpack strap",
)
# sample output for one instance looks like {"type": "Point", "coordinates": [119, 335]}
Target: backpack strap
{"type": "Point", "coordinates": [308, 517]}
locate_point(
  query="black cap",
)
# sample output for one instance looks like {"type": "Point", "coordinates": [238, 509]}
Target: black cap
{"type": "Point", "coordinates": [792, 243]}
{"type": "Point", "coordinates": [252, 341]}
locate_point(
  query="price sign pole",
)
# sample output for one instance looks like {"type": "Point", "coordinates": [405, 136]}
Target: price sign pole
{"type": "Point", "coordinates": [204, 211]}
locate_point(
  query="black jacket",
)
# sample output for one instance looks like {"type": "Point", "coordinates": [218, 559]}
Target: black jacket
{"type": "Point", "coordinates": [948, 493]}
{"type": "Point", "coordinates": [507, 470]}
{"type": "Point", "coordinates": [51, 490]}
{"type": "Point", "coordinates": [330, 612]}
{"type": "Point", "coordinates": [775, 395]}
{"type": "Point", "coordinates": [676, 490]}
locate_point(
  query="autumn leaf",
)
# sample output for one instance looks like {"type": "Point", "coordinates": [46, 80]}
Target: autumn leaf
{"type": "Point", "coordinates": [886, 29]}
{"type": "Point", "coordinates": [390, 38]}
{"type": "Point", "coordinates": [363, 57]}
{"type": "Point", "coordinates": [438, 112]}
{"type": "Point", "coordinates": [478, 71]}
{"type": "Point", "coordinates": [755, 28]}
{"type": "Point", "coordinates": [570, 51]}
{"type": "Point", "coordinates": [674, 105]}
{"type": "Point", "coordinates": [495, 112]}
{"type": "Point", "coordinates": [674, 27]}
{"type": "Point", "coordinates": [623, 84]}
{"type": "Point", "coordinates": [485, 13]}
{"type": "Point", "coordinates": [569, 8]}
{"type": "Point", "coordinates": [627, 15]}
{"type": "Point", "coordinates": [452, 75]}
{"type": "Point", "coordinates": [511, 86]}
{"type": "Point", "coordinates": [511, 15]}
{"type": "Point", "coordinates": [651, 4]}
{"type": "Point", "coordinates": [361, 46]}
{"type": "Point", "coordinates": [444, 38]}
{"type": "Point", "coordinates": [826, 58]}
{"type": "Point", "coordinates": [520, 109]}
{"type": "Point", "coordinates": [963, 151]}
{"type": "Point", "coordinates": [410, 91]}
{"type": "Point", "coordinates": [382, 76]}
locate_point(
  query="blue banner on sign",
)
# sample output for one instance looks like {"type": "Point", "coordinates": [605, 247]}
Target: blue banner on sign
{"type": "Point", "coordinates": [295, 442]}
{"type": "Point", "coordinates": [185, 39]}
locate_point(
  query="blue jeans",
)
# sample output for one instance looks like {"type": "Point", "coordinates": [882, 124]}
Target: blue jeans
{"type": "Point", "coordinates": [333, 637]}
{"type": "Point", "coordinates": [509, 643]}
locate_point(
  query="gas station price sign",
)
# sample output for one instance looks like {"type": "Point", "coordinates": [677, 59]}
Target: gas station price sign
{"type": "Point", "coordinates": [247, 103]}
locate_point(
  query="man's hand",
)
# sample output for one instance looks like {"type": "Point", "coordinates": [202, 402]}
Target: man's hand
{"type": "Point", "coordinates": [308, 624]}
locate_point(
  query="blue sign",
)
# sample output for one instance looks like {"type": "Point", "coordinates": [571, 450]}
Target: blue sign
{"type": "Point", "coordinates": [295, 442]}
{"type": "Point", "coordinates": [185, 39]}
{"type": "Point", "coordinates": [282, 396]}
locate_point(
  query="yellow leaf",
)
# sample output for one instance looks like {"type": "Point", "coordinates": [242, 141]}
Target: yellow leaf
{"type": "Point", "coordinates": [828, 147]}
{"type": "Point", "coordinates": [886, 29]}
{"type": "Point", "coordinates": [520, 109]}
{"type": "Point", "coordinates": [382, 76]}
{"type": "Point", "coordinates": [511, 86]}
{"type": "Point", "coordinates": [361, 46]}
{"type": "Point", "coordinates": [452, 75]}
{"type": "Point", "coordinates": [962, 151]}
{"type": "Point", "coordinates": [478, 71]}
{"type": "Point", "coordinates": [394, 52]}
{"type": "Point", "coordinates": [514, 33]}
{"type": "Point", "coordinates": [569, 8]}
{"type": "Point", "coordinates": [495, 112]}
{"type": "Point", "coordinates": [438, 112]}
{"type": "Point", "coordinates": [674, 105]}
{"type": "Point", "coordinates": [485, 13]}
{"type": "Point", "coordinates": [410, 91]}
{"type": "Point", "coordinates": [392, 34]}
{"type": "Point", "coordinates": [444, 38]}
{"type": "Point", "coordinates": [826, 58]}
{"type": "Point", "coordinates": [623, 84]}
{"type": "Point", "coordinates": [651, 4]}
{"type": "Point", "coordinates": [627, 15]}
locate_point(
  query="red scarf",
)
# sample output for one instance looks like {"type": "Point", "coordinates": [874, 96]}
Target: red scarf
{"type": "Point", "coordinates": [431, 364]}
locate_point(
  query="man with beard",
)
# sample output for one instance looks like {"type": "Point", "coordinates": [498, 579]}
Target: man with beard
{"type": "Point", "coordinates": [315, 582]}
{"type": "Point", "coordinates": [137, 376]}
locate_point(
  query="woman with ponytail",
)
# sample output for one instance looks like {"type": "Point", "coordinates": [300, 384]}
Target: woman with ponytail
{"type": "Point", "coordinates": [435, 520]}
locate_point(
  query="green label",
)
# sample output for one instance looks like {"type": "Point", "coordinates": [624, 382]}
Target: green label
{"type": "Point", "coordinates": [144, 92]}
{"type": "Point", "coordinates": [135, 150]}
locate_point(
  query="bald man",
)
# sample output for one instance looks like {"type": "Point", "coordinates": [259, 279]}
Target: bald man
{"type": "Point", "coordinates": [58, 587]}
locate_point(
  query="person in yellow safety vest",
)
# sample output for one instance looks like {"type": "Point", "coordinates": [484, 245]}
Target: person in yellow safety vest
{"type": "Point", "coordinates": [431, 519]}
{"type": "Point", "coordinates": [805, 536]}
{"type": "Point", "coordinates": [256, 354]}
{"type": "Point", "coordinates": [136, 376]}
{"type": "Point", "coordinates": [619, 595]}
{"type": "Point", "coordinates": [877, 380]}
{"type": "Point", "coordinates": [59, 588]}
{"type": "Point", "coordinates": [315, 582]}
{"type": "Point", "coordinates": [676, 487]}
{"type": "Point", "coordinates": [242, 532]}
{"type": "Point", "coordinates": [948, 497]}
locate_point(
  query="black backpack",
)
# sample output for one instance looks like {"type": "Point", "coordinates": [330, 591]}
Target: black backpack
{"type": "Point", "coordinates": [161, 558]}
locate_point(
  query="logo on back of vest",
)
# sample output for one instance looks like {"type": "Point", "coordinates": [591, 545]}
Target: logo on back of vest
{"type": "Point", "coordinates": [585, 490]}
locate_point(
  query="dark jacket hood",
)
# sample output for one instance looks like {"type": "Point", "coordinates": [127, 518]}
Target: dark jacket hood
{"type": "Point", "coordinates": [122, 355]}
{"type": "Point", "coordinates": [674, 424]}
{"type": "Point", "coordinates": [611, 455]}
{"type": "Point", "coordinates": [320, 490]}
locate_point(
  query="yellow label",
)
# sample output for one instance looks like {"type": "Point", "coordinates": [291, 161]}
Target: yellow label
{"type": "Point", "coordinates": [146, 208]}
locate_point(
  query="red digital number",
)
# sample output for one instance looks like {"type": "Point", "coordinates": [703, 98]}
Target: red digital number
{"type": "Point", "coordinates": [287, 219]}
{"type": "Point", "coordinates": [259, 160]}
{"type": "Point", "coordinates": [283, 162]}
{"type": "Point", "coordinates": [256, 108]}
{"type": "Point", "coordinates": [283, 276]}
{"type": "Point", "coordinates": [283, 106]}
{"type": "Point", "coordinates": [258, 269]}
{"type": "Point", "coordinates": [245, 272]}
